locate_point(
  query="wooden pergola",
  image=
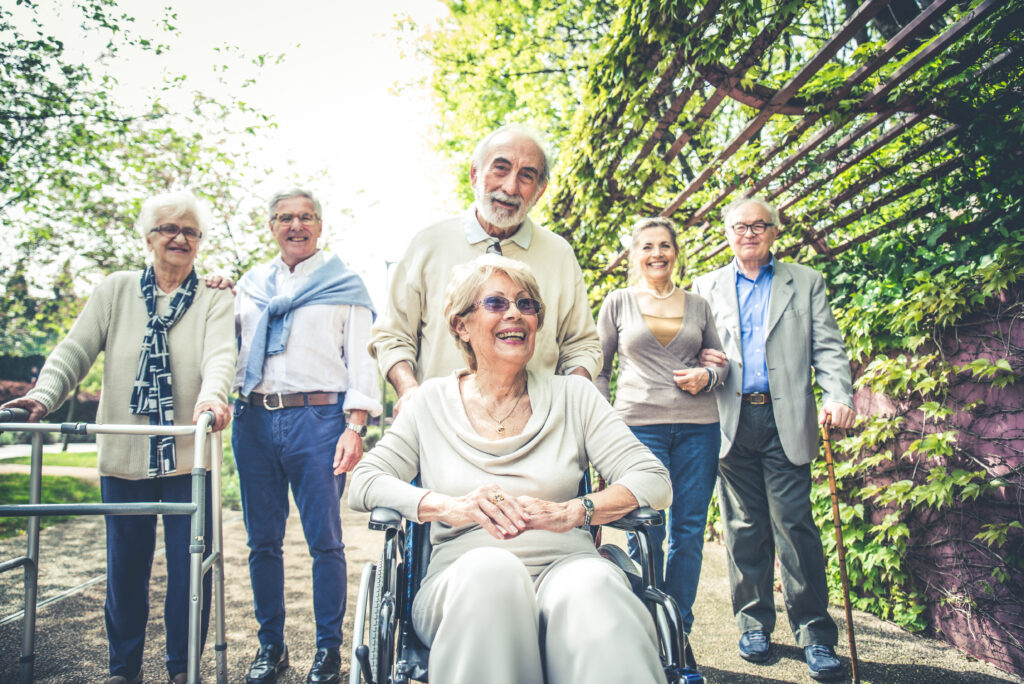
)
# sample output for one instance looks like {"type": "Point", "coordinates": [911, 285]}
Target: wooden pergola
{"type": "Point", "coordinates": [845, 160]}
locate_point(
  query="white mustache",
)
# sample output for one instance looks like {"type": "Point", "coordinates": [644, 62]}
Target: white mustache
{"type": "Point", "coordinates": [503, 196]}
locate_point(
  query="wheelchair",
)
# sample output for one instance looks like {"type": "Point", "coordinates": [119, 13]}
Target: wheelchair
{"type": "Point", "coordinates": [386, 648]}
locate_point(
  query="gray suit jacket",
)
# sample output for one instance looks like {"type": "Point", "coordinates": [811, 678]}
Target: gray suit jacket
{"type": "Point", "coordinates": [801, 334]}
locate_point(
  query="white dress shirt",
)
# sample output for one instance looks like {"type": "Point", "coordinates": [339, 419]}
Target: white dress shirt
{"type": "Point", "coordinates": [326, 349]}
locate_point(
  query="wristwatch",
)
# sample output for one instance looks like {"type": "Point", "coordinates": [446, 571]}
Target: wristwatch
{"type": "Point", "coordinates": [588, 510]}
{"type": "Point", "coordinates": [356, 428]}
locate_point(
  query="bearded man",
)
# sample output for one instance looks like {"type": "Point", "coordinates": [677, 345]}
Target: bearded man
{"type": "Point", "coordinates": [509, 172]}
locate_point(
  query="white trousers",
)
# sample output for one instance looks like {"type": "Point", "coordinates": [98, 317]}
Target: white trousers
{"type": "Point", "coordinates": [486, 620]}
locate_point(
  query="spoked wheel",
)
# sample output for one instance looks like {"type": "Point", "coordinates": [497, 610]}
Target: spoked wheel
{"type": "Point", "coordinates": [359, 623]}
{"type": "Point", "coordinates": [382, 617]}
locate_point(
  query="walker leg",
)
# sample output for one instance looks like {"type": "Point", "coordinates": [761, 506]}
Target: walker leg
{"type": "Point", "coordinates": [196, 548]}
{"type": "Point", "coordinates": [220, 645]}
{"type": "Point", "coordinates": [28, 636]}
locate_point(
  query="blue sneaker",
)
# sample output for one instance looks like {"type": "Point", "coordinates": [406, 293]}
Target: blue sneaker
{"type": "Point", "coordinates": [755, 646]}
{"type": "Point", "coordinates": [822, 662]}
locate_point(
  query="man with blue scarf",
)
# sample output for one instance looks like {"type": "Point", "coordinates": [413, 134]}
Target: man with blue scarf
{"type": "Point", "coordinates": [303, 321]}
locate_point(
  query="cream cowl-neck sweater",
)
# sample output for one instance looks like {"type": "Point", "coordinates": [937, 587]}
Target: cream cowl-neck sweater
{"type": "Point", "coordinates": [202, 346]}
{"type": "Point", "coordinates": [571, 426]}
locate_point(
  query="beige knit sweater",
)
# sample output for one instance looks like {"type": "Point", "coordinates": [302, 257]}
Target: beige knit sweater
{"type": "Point", "coordinates": [202, 345]}
{"type": "Point", "coordinates": [571, 425]}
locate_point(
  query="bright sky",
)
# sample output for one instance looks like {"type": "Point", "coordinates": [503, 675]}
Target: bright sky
{"type": "Point", "coordinates": [367, 145]}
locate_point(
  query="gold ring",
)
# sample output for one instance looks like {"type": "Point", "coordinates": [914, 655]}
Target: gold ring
{"type": "Point", "coordinates": [497, 497]}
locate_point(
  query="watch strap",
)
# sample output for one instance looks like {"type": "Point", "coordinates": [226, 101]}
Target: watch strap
{"type": "Point", "coordinates": [588, 510]}
{"type": "Point", "coordinates": [356, 428]}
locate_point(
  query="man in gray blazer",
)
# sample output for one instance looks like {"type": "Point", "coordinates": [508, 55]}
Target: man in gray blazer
{"type": "Point", "coordinates": [776, 326]}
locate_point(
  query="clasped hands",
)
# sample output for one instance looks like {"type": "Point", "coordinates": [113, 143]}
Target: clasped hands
{"type": "Point", "coordinates": [503, 515]}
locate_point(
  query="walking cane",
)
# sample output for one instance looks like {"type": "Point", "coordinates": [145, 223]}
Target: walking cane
{"type": "Point", "coordinates": [826, 433]}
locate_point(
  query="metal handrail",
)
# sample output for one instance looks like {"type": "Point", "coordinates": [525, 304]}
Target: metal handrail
{"type": "Point", "coordinates": [196, 510]}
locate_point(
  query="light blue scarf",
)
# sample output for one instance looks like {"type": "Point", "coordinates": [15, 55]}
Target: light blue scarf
{"type": "Point", "coordinates": [332, 283]}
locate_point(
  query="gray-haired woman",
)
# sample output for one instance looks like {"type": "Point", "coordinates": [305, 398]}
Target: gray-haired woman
{"type": "Point", "coordinates": [515, 590]}
{"type": "Point", "coordinates": [169, 355]}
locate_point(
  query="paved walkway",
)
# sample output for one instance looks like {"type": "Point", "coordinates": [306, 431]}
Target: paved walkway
{"type": "Point", "coordinates": [71, 645]}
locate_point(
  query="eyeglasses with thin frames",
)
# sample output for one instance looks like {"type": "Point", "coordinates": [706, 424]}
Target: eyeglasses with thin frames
{"type": "Point", "coordinates": [172, 230]}
{"type": "Point", "coordinates": [755, 228]}
{"type": "Point", "coordinates": [286, 219]}
{"type": "Point", "coordinates": [527, 306]}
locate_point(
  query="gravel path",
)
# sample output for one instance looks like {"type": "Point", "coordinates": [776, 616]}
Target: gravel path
{"type": "Point", "coordinates": [71, 645]}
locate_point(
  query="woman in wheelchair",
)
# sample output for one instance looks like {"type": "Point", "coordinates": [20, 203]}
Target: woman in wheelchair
{"type": "Point", "coordinates": [515, 590]}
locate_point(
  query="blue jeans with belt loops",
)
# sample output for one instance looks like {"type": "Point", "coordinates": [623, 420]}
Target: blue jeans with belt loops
{"type": "Point", "coordinates": [690, 452]}
{"type": "Point", "coordinates": [274, 450]}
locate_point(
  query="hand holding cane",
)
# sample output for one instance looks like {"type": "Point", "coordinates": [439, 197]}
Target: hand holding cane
{"type": "Point", "coordinates": [826, 433]}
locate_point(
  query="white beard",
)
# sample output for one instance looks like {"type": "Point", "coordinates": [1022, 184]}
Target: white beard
{"type": "Point", "coordinates": [497, 216]}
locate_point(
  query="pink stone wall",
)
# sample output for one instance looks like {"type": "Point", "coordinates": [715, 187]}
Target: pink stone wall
{"type": "Point", "coordinates": [966, 604]}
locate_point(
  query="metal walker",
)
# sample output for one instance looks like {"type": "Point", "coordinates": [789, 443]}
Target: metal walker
{"type": "Point", "coordinates": [195, 510]}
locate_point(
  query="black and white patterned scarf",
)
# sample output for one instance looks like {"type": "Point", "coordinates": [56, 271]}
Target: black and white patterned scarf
{"type": "Point", "coordinates": [152, 391]}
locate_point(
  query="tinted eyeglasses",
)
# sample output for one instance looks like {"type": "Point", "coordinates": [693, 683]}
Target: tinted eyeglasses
{"type": "Point", "coordinates": [171, 230]}
{"type": "Point", "coordinates": [757, 227]}
{"type": "Point", "coordinates": [498, 304]}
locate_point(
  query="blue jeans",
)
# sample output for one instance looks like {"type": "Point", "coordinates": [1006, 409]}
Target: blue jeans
{"type": "Point", "coordinates": [131, 542]}
{"type": "Point", "coordinates": [275, 449]}
{"type": "Point", "coordinates": [690, 452]}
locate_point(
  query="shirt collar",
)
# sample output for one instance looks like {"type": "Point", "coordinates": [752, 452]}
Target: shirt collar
{"type": "Point", "coordinates": [767, 268]}
{"type": "Point", "coordinates": [303, 268]}
{"type": "Point", "coordinates": [475, 232]}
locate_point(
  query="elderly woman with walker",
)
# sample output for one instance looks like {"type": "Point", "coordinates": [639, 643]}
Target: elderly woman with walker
{"type": "Point", "coordinates": [169, 351]}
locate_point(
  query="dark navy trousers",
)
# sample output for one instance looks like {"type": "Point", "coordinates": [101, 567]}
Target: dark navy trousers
{"type": "Point", "coordinates": [275, 449]}
{"type": "Point", "coordinates": [131, 542]}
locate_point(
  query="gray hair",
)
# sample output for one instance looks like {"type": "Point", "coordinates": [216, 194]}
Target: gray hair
{"type": "Point", "coordinates": [293, 192]}
{"type": "Point", "coordinates": [740, 201]}
{"type": "Point", "coordinates": [465, 283]}
{"type": "Point", "coordinates": [171, 205]}
{"type": "Point", "coordinates": [638, 228]}
{"type": "Point", "coordinates": [484, 147]}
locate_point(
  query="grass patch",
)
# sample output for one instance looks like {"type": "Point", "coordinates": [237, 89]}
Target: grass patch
{"type": "Point", "coordinates": [79, 460]}
{"type": "Point", "coordinates": [55, 489]}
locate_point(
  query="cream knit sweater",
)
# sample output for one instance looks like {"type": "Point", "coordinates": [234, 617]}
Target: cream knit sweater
{"type": "Point", "coordinates": [202, 345]}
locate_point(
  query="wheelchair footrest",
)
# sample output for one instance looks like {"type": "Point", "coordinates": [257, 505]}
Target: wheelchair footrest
{"type": "Point", "coordinates": [685, 675]}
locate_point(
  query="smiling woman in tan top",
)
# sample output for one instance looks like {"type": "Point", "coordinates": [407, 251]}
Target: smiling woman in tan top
{"type": "Point", "coordinates": [664, 395]}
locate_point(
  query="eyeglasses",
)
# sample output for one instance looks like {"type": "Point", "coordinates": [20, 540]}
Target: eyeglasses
{"type": "Point", "coordinates": [286, 219]}
{"type": "Point", "coordinates": [172, 230]}
{"type": "Point", "coordinates": [757, 227]}
{"type": "Point", "coordinates": [498, 304]}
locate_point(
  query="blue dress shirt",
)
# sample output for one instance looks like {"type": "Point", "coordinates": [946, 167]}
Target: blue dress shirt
{"type": "Point", "coordinates": [753, 296]}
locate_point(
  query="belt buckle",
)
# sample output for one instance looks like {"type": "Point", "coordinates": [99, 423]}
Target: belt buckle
{"type": "Point", "coordinates": [759, 399]}
{"type": "Point", "coordinates": [280, 401]}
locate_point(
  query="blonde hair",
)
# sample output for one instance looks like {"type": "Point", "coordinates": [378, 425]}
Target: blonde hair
{"type": "Point", "coordinates": [466, 280]}
{"type": "Point", "coordinates": [639, 227]}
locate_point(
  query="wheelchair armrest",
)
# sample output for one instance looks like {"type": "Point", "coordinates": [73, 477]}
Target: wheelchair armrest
{"type": "Point", "coordinates": [385, 519]}
{"type": "Point", "coordinates": [645, 516]}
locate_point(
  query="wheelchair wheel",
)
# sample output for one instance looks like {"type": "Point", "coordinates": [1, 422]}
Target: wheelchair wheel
{"type": "Point", "coordinates": [359, 624]}
{"type": "Point", "coordinates": [382, 617]}
{"type": "Point", "coordinates": [622, 560]}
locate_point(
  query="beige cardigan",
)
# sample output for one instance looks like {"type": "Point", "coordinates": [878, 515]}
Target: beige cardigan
{"type": "Point", "coordinates": [202, 345]}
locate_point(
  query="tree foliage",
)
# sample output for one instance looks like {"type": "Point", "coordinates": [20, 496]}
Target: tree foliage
{"type": "Point", "coordinates": [76, 164]}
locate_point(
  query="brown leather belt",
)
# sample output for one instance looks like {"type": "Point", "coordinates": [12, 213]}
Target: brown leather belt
{"type": "Point", "coordinates": [277, 400]}
{"type": "Point", "coordinates": [757, 398]}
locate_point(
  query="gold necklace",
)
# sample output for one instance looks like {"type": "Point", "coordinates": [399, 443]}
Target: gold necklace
{"type": "Point", "coordinates": [500, 429]}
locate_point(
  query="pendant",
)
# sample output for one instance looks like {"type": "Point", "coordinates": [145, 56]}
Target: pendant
{"type": "Point", "coordinates": [500, 429]}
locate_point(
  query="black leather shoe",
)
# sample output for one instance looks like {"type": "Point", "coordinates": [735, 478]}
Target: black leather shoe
{"type": "Point", "coordinates": [755, 646]}
{"type": "Point", "coordinates": [822, 662]}
{"type": "Point", "coordinates": [326, 667]}
{"type": "Point", "coordinates": [269, 661]}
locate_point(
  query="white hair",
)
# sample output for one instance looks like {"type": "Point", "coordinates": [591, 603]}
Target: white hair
{"type": "Point", "coordinates": [172, 205]}
{"type": "Point", "coordinates": [484, 147]}
{"type": "Point", "coordinates": [294, 192]}
{"type": "Point", "coordinates": [740, 201]}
